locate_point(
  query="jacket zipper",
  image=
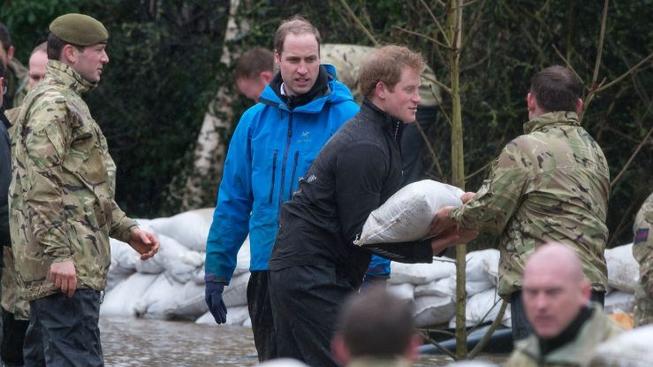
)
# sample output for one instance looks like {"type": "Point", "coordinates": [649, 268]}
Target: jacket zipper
{"type": "Point", "coordinates": [293, 179]}
{"type": "Point", "coordinates": [285, 158]}
{"type": "Point", "coordinates": [274, 174]}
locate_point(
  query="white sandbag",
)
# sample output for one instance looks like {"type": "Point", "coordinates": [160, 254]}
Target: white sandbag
{"type": "Point", "coordinates": [447, 286]}
{"type": "Point", "coordinates": [190, 228]}
{"type": "Point", "coordinates": [123, 257]}
{"type": "Point", "coordinates": [247, 323]}
{"type": "Point", "coordinates": [206, 319]}
{"type": "Point", "coordinates": [179, 262]}
{"type": "Point", "coordinates": [121, 300]}
{"type": "Point", "coordinates": [402, 291]}
{"type": "Point", "coordinates": [619, 301]}
{"type": "Point", "coordinates": [159, 299]}
{"type": "Point", "coordinates": [116, 276]}
{"type": "Point", "coordinates": [482, 266]}
{"type": "Point", "coordinates": [430, 311]}
{"type": "Point", "coordinates": [235, 294]}
{"type": "Point", "coordinates": [237, 315]}
{"type": "Point", "coordinates": [484, 308]}
{"type": "Point", "coordinates": [190, 302]}
{"type": "Point", "coordinates": [630, 349]}
{"type": "Point", "coordinates": [407, 215]}
{"type": "Point", "coordinates": [198, 276]}
{"type": "Point", "coordinates": [436, 288]}
{"type": "Point", "coordinates": [243, 259]}
{"type": "Point", "coordinates": [623, 269]}
{"type": "Point", "coordinates": [421, 273]}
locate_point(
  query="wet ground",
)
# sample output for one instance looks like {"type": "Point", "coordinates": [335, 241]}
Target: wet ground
{"type": "Point", "coordinates": [149, 343]}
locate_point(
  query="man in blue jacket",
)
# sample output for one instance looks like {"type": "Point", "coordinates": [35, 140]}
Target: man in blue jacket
{"type": "Point", "coordinates": [273, 145]}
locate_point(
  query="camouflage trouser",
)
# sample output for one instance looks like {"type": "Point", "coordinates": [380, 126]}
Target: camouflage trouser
{"type": "Point", "coordinates": [643, 308]}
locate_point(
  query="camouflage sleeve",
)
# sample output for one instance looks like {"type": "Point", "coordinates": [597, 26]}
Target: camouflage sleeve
{"type": "Point", "coordinates": [47, 137]}
{"type": "Point", "coordinates": [120, 224]}
{"type": "Point", "coordinates": [643, 244]}
{"type": "Point", "coordinates": [499, 196]}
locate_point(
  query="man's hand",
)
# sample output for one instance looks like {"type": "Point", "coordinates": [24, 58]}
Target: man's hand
{"type": "Point", "coordinates": [441, 222]}
{"type": "Point", "coordinates": [453, 236]}
{"type": "Point", "coordinates": [145, 243]}
{"type": "Point", "coordinates": [213, 297]}
{"type": "Point", "coordinates": [64, 276]}
{"type": "Point", "coordinates": [467, 197]}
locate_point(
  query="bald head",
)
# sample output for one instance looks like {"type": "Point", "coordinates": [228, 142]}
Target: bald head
{"type": "Point", "coordinates": [554, 289]}
{"type": "Point", "coordinates": [556, 259]}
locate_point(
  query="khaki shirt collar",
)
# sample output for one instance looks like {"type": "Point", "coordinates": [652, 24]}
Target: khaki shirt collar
{"type": "Point", "coordinates": [65, 74]}
{"type": "Point", "coordinates": [551, 118]}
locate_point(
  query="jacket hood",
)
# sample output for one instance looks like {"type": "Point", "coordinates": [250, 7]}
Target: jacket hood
{"type": "Point", "coordinates": [336, 93]}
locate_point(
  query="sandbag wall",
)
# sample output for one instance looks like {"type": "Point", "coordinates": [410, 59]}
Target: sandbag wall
{"type": "Point", "coordinates": [171, 284]}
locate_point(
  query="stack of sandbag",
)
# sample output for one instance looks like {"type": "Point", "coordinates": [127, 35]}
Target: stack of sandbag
{"type": "Point", "coordinates": [170, 285]}
{"type": "Point", "coordinates": [623, 277]}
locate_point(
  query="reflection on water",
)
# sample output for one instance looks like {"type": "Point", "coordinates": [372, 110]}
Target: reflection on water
{"type": "Point", "coordinates": [149, 343]}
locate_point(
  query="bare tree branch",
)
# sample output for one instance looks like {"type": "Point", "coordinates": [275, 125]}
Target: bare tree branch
{"type": "Point", "coordinates": [360, 24]}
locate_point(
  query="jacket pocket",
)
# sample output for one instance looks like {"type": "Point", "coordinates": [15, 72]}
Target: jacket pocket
{"type": "Point", "coordinates": [274, 175]}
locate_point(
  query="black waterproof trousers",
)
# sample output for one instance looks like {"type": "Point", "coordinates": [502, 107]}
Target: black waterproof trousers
{"type": "Point", "coordinates": [260, 312]}
{"type": "Point", "coordinates": [64, 332]}
{"type": "Point", "coordinates": [13, 335]}
{"type": "Point", "coordinates": [305, 303]}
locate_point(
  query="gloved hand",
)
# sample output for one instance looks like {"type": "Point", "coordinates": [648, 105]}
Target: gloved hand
{"type": "Point", "coordinates": [213, 297]}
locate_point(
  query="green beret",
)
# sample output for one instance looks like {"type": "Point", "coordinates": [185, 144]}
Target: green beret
{"type": "Point", "coordinates": [79, 29]}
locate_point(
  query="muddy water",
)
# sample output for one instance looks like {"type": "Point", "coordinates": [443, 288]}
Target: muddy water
{"type": "Point", "coordinates": [149, 343]}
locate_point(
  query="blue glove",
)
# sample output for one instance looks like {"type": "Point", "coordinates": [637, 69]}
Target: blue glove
{"type": "Point", "coordinates": [213, 297]}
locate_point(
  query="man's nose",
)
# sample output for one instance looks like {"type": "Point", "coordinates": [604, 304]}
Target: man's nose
{"type": "Point", "coordinates": [105, 57]}
{"type": "Point", "coordinates": [302, 68]}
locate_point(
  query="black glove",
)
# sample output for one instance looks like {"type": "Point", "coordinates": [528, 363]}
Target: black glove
{"type": "Point", "coordinates": [213, 297]}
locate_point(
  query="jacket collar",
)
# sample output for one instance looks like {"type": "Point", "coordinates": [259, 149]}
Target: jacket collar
{"type": "Point", "coordinates": [379, 362]}
{"type": "Point", "coordinates": [369, 111]}
{"type": "Point", "coordinates": [336, 93]}
{"type": "Point", "coordinates": [551, 118]}
{"type": "Point", "coordinates": [571, 352]}
{"type": "Point", "coordinates": [64, 74]}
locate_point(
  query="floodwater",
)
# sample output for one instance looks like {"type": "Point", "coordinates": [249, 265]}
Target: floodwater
{"type": "Point", "coordinates": [149, 343]}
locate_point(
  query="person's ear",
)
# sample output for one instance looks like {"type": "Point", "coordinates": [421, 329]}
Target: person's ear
{"type": "Point", "coordinates": [380, 90]}
{"type": "Point", "coordinates": [531, 102]}
{"type": "Point", "coordinates": [10, 53]}
{"type": "Point", "coordinates": [277, 57]}
{"type": "Point", "coordinates": [69, 53]}
{"type": "Point", "coordinates": [266, 76]}
{"type": "Point", "coordinates": [580, 105]}
{"type": "Point", "coordinates": [412, 353]}
{"type": "Point", "coordinates": [339, 350]}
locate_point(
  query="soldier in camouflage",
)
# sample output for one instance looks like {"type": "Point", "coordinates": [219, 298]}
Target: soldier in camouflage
{"type": "Point", "coordinates": [62, 206]}
{"type": "Point", "coordinates": [551, 184]}
{"type": "Point", "coordinates": [16, 78]}
{"type": "Point", "coordinates": [643, 253]}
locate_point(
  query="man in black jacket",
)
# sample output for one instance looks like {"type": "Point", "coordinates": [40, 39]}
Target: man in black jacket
{"type": "Point", "coordinates": [315, 264]}
{"type": "Point", "coordinates": [5, 166]}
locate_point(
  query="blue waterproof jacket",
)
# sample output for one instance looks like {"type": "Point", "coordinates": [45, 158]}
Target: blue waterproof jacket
{"type": "Point", "coordinates": [271, 148]}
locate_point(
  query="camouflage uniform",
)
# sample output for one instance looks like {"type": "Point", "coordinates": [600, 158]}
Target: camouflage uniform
{"type": "Point", "coordinates": [551, 184]}
{"type": "Point", "coordinates": [348, 59]}
{"type": "Point", "coordinates": [61, 196]}
{"type": "Point", "coordinates": [643, 253]}
{"type": "Point", "coordinates": [597, 329]}
{"type": "Point", "coordinates": [9, 300]}
{"type": "Point", "coordinates": [16, 79]}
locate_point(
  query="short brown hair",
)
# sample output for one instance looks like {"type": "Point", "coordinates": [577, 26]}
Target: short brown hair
{"type": "Point", "coordinates": [375, 323]}
{"type": "Point", "coordinates": [556, 88]}
{"type": "Point", "coordinates": [55, 45]}
{"type": "Point", "coordinates": [385, 65]}
{"type": "Point", "coordinates": [253, 62]}
{"type": "Point", "coordinates": [296, 25]}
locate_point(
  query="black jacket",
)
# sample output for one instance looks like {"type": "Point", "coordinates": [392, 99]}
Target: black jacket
{"type": "Point", "coordinates": [5, 178]}
{"type": "Point", "coordinates": [356, 171]}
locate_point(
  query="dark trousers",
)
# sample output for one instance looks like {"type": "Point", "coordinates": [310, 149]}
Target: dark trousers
{"type": "Point", "coordinates": [260, 312]}
{"type": "Point", "coordinates": [305, 304]}
{"type": "Point", "coordinates": [13, 335]}
{"type": "Point", "coordinates": [521, 328]}
{"type": "Point", "coordinates": [64, 331]}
